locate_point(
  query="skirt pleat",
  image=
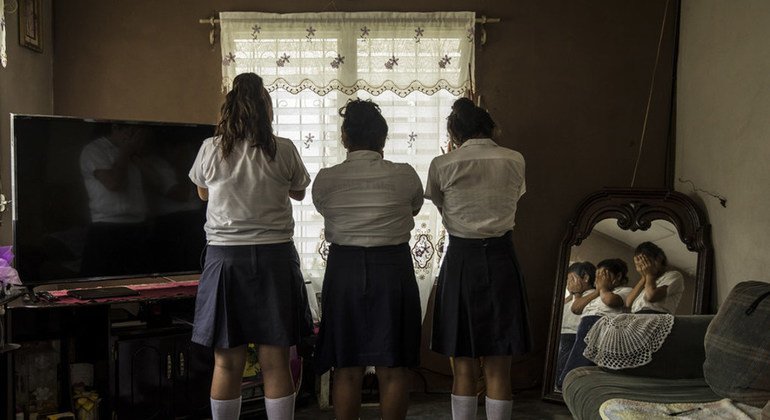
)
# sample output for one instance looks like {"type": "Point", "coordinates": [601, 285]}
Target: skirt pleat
{"type": "Point", "coordinates": [371, 309]}
{"type": "Point", "coordinates": [481, 303]}
{"type": "Point", "coordinates": [251, 294]}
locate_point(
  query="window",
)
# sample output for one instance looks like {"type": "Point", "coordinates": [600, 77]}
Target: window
{"type": "Point", "coordinates": [414, 65]}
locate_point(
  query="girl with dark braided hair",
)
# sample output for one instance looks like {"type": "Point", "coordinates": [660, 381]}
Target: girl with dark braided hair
{"type": "Point", "coordinates": [251, 289]}
{"type": "Point", "coordinates": [480, 309]}
{"type": "Point", "coordinates": [370, 298]}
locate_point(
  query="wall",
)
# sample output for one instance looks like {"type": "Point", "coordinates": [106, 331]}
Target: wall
{"type": "Point", "coordinates": [567, 80]}
{"type": "Point", "coordinates": [723, 129]}
{"type": "Point", "coordinates": [26, 87]}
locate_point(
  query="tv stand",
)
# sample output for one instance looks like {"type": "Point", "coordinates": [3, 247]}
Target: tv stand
{"type": "Point", "coordinates": [128, 340]}
{"type": "Point", "coordinates": [8, 295]}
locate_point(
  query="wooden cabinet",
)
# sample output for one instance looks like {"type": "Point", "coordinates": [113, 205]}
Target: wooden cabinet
{"type": "Point", "coordinates": [160, 375]}
{"type": "Point", "coordinates": [144, 365]}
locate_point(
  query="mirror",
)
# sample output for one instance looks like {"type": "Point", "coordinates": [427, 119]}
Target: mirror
{"type": "Point", "coordinates": [610, 224]}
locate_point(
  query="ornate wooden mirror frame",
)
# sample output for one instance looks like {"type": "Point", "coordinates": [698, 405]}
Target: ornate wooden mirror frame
{"type": "Point", "coordinates": [635, 209]}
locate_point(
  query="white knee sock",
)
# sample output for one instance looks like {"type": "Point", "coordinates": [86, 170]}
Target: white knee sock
{"type": "Point", "coordinates": [280, 408]}
{"type": "Point", "coordinates": [225, 409]}
{"type": "Point", "coordinates": [499, 409]}
{"type": "Point", "coordinates": [464, 407]}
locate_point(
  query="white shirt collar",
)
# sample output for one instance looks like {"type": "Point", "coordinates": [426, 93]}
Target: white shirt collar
{"type": "Point", "coordinates": [479, 141]}
{"type": "Point", "coordinates": [363, 155]}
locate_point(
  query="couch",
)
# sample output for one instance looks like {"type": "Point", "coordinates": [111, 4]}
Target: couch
{"type": "Point", "coordinates": [698, 361]}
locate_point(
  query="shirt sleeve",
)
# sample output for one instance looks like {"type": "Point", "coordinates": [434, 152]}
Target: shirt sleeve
{"type": "Point", "coordinates": [433, 187]}
{"type": "Point", "coordinates": [318, 192]}
{"type": "Point", "coordinates": [623, 292]}
{"type": "Point", "coordinates": [93, 159]}
{"type": "Point", "coordinates": [300, 179]}
{"type": "Point", "coordinates": [674, 281]}
{"type": "Point", "coordinates": [197, 171]}
{"type": "Point", "coordinates": [417, 195]}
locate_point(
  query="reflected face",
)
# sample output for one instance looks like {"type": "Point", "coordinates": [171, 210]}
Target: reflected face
{"type": "Point", "coordinates": [581, 284]}
{"type": "Point", "coordinates": [655, 265]}
{"type": "Point", "coordinates": [606, 278]}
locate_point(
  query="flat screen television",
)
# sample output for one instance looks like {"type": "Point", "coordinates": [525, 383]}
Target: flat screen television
{"type": "Point", "coordinates": [97, 199]}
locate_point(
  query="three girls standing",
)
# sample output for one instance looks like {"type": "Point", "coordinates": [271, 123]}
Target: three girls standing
{"type": "Point", "coordinates": [251, 289]}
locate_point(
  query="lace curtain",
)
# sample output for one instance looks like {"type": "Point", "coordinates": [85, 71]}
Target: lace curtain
{"type": "Point", "coordinates": [414, 65]}
{"type": "Point", "coordinates": [349, 52]}
{"type": "Point", "coordinates": [3, 51]}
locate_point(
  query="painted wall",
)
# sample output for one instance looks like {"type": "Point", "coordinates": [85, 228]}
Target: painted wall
{"type": "Point", "coordinates": [26, 87]}
{"type": "Point", "coordinates": [567, 81]}
{"type": "Point", "coordinates": [723, 129]}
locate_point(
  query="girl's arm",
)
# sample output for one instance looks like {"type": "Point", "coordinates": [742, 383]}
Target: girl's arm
{"type": "Point", "coordinates": [582, 301]}
{"type": "Point", "coordinates": [611, 299]}
{"type": "Point", "coordinates": [635, 292]}
{"type": "Point", "coordinates": [203, 193]}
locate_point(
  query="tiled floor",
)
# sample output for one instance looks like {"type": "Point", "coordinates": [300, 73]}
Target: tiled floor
{"type": "Point", "coordinates": [526, 405]}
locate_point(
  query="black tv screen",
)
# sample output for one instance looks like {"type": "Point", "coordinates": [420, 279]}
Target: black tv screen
{"type": "Point", "coordinates": [95, 199]}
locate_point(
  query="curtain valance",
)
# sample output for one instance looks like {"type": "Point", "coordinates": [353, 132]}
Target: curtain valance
{"type": "Point", "coordinates": [348, 52]}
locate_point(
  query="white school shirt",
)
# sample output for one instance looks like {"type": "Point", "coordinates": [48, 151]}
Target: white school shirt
{"type": "Point", "coordinates": [675, 287]}
{"type": "Point", "coordinates": [477, 186]}
{"type": "Point", "coordinates": [128, 205]}
{"type": "Point", "coordinates": [570, 320]}
{"type": "Point", "coordinates": [367, 200]}
{"type": "Point", "coordinates": [597, 307]}
{"type": "Point", "coordinates": [248, 193]}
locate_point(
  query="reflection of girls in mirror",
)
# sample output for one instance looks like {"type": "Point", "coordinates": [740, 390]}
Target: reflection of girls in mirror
{"type": "Point", "coordinates": [580, 285]}
{"type": "Point", "coordinates": [370, 297]}
{"type": "Point", "coordinates": [251, 289]}
{"type": "Point", "coordinates": [480, 308]}
{"type": "Point", "coordinates": [658, 289]}
{"type": "Point", "coordinates": [607, 299]}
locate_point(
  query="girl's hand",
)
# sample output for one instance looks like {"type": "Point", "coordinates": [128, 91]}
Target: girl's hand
{"type": "Point", "coordinates": [573, 284]}
{"type": "Point", "coordinates": [643, 265]}
{"type": "Point", "coordinates": [602, 279]}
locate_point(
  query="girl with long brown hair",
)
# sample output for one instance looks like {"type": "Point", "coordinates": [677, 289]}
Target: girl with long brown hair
{"type": "Point", "coordinates": [251, 289]}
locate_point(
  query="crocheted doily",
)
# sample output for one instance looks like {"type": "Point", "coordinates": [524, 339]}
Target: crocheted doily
{"type": "Point", "coordinates": [627, 340]}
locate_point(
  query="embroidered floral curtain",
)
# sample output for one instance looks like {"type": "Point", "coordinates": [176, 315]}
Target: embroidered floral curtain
{"type": "Point", "coordinates": [3, 53]}
{"type": "Point", "coordinates": [414, 65]}
{"type": "Point", "coordinates": [349, 52]}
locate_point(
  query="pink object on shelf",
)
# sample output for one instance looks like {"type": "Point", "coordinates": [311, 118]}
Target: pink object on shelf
{"type": "Point", "coordinates": [180, 289]}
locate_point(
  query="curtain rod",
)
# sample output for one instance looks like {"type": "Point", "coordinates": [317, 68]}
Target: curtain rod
{"type": "Point", "coordinates": [483, 19]}
{"type": "Point", "coordinates": [213, 21]}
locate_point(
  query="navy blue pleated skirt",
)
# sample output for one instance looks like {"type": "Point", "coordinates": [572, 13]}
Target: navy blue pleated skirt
{"type": "Point", "coordinates": [251, 294]}
{"type": "Point", "coordinates": [370, 309]}
{"type": "Point", "coordinates": [481, 304]}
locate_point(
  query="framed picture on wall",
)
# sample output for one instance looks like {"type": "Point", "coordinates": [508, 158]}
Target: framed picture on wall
{"type": "Point", "coordinates": [30, 24]}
